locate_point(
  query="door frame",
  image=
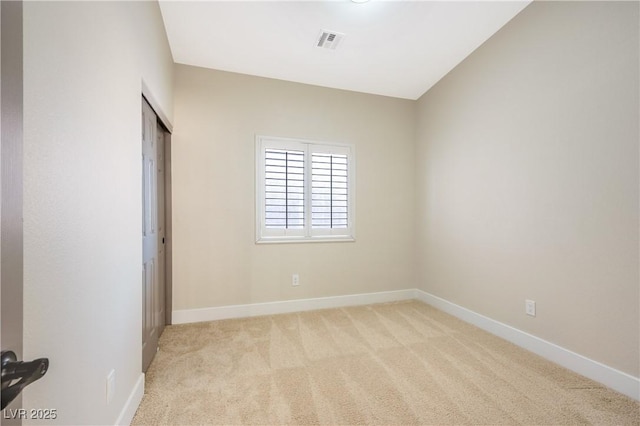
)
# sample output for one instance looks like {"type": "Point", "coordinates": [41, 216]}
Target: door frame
{"type": "Point", "coordinates": [162, 117]}
{"type": "Point", "coordinates": [168, 251]}
{"type": "Point", "coordinates": [11, 181]}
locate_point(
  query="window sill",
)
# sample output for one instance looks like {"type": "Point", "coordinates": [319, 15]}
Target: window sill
{"type": "Point", "coordinates": [290, 240]}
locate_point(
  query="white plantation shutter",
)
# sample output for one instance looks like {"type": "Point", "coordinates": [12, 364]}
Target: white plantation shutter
{"type": "Point", "coordinates": [284, 189]}
{"type": "Point", "coordinates": [304, 191]}
{"type": "Point", "coordinates": [329, 191]}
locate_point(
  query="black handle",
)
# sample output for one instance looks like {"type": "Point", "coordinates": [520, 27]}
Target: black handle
{"type": "Point", "coordinates": [24, 372]}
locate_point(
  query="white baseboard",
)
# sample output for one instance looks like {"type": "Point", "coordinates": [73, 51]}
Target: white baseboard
{"type": "Point", "coordinates": [608, 376]}
{"type": "Point", "coordinates": [270, 308]}
{"type": "Point", "coordinates": [130, 407]}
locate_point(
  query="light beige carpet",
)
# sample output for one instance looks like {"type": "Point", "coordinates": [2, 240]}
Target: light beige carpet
{"type": "Point", "coordinates": [397, 364]}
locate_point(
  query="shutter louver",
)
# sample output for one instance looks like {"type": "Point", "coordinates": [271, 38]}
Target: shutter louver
{"type": "Point", "coordinates": [284, 189]}
{"type": "Point", "coordinates": [329, 191]}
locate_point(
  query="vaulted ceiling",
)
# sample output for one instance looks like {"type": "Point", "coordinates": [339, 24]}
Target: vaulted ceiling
{"type": "Point", "coordinates": [391, 48]}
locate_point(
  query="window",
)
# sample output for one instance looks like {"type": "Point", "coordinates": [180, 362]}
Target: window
{"type": "Point", "coordinates": [304, 190]}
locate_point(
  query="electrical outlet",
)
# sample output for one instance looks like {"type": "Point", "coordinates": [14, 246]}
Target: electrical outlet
{"type": "Point", "coordinates": [111, 385]}
{"type": "Point", "coordinates": [295, 280]}
{"type": "Point", "coordinates": [530, 307]}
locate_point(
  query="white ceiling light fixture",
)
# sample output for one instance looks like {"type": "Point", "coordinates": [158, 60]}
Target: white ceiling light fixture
{"type": "Point", "coordinates": [359, 1]}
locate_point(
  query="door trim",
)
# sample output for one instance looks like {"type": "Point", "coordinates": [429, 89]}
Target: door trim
{"type": "Point", "coordinates": [155, 105]}
{"type": "Point", "coordinates": [11, 211]}
{"type": "Point", "coordinates": [168, 247]}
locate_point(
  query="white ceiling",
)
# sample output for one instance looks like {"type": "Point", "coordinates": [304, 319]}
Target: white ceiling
{"type": "Point", "coordinates": [392, 48]}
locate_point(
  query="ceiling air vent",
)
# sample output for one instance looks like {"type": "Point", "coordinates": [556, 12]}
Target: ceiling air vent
{"type": "Point", "coordinates": [329, 39]}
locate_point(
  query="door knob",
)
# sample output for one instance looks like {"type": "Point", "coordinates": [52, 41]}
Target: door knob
{"type": "Point", "coordinates": [16, 375]}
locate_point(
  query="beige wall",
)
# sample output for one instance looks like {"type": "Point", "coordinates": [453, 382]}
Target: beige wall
{"type": "Point", "coordinates": [527, 179]}
{"type": "Point", "coordinates": [216, 260]}
{"type": "Point", "coordinates": [84, 63]}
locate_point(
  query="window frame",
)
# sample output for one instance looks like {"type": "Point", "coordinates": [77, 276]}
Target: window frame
{"type": "Point", "coordinates": [307, 233]}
